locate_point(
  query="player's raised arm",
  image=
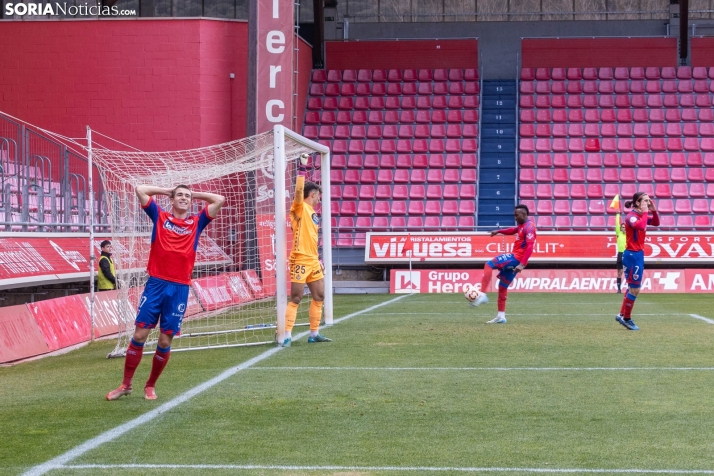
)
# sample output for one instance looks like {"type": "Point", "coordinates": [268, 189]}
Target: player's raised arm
{"type": "Point", "coordinates": [215, 202]}
{"type": "Point", "coordinates": [299, 190]}
{"type": "Point", "coordinates": [145, 192]}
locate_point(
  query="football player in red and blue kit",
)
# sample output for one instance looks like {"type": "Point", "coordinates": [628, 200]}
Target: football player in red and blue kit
{"type": "Point", "coordinates": [509, 264]}
{"type": "Point", "coordinates": [174, 240]}
{"type": "Point", "coordinates": [633, 258]}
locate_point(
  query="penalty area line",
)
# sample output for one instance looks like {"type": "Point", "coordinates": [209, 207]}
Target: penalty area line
{"type": "Point", "coordinates": [110, 435]}
{"type": "Point", "coordinates": [705, 319]}
{"type": "Point", "coordinates": [492, 369]}
{"type": "Point", "coordinates": [245, 467]}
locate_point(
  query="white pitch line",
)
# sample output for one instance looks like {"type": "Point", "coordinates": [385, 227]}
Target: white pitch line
{"type": "Point", "coordinates": [610, 314]}
{"type": "Point", "coordinates": [244, 467]}
{"type": "Point", "coordinates": [114, 433]}
{"type": "Point", "coordinates": [495, 369]}
{"type": "Point", "coordinates": [705, 319]}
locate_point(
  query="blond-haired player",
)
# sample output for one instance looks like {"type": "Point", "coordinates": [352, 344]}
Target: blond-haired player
{"type": "Point", "coordinates": [304, 262]}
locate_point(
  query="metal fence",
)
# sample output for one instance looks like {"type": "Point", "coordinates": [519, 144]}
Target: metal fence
{"type": "Point", "coordinates": [43, 183]}
{"type": "Point", "coordinates": [383, 11]}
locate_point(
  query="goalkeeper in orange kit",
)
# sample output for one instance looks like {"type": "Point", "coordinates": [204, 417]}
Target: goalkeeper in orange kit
{"type": "Point", "coordinates": [304, 262]}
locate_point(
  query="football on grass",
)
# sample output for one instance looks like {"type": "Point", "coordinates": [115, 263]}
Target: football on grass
{"type": "Point", "coordinates": [472, 293]}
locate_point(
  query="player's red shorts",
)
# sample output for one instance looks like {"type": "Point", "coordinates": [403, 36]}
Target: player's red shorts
{"type": "Point", "coordinates": [506, 264]}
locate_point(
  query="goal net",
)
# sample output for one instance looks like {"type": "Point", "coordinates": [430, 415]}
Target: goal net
{"type": "Point", "coordinates": [239, 290]}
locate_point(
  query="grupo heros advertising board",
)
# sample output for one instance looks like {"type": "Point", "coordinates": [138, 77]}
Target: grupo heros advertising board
{"type": "Point", "coordinates": [550, 247]}
{"type": "Point", "coordinates": [551, 280]}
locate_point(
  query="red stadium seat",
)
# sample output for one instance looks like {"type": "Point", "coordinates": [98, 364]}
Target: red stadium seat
{"type": "Point", "coordinates": [577, 190]}
{"type": "Point", "coordinates": [401, 176]}
{"type": "Point", "coordinates": [544, 222]}
{"type": "Point", "coordinates": [595, 191]}
{"type": "Point", "coordinates": [702, 221]}
{"type": "Point", "coordinates": [683, 206]}
{"type": "Point", "coordinates": [561, 190]}
{"type": "Point", "coordinates": [696, 190]}
{"type": "Point", "coordinates": [385, 176]}
{"type": "Point", "coordinates": [544, 191]}
{"type": "Point", "coordinates": [527, 175]}
{"type": "Point", "coordinates": [562, 222]}
{"type": "Point", "coordinates": [662, 190]}
{"type": "Point", "coordinates": [467, 191]}
{"type": "Point", "coordinates": [418, 176]}
{"type": "Point", "coordinates": [526, 191]}
{"type": "Point", "coordinates": [700, 205]}
{"type": "Point", "coordinates": [594, 175]}
{"type": "Point", "coordinates": [596, 207]}
{"type": "Point", "coordinates": [544, 207]}
{"type": "Point", "coordinates": [562, 207]}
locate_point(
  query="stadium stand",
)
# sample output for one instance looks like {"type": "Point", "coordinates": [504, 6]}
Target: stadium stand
{"type": "Point", "coordinates": [404, 145]}
{"type": "Point", "coordinates": [591, 133]}
{"type": "Point", "coordinates": [44, 184]}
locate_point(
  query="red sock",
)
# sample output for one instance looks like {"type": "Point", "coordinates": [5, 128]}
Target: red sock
{"type": "Point", "coordinates": [627, 304]}
{"type": "Point", "coordinates": [502, 296]}
{"type": "Point", "coordinates": [133, 357]}
{"type": "Point", "coordinates": [161, 358]}
{"type": "Point", "coordinates": [486, 279]}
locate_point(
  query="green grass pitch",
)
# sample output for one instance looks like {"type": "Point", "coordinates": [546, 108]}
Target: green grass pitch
{"type": "Point", "coordinates": [421, 385]}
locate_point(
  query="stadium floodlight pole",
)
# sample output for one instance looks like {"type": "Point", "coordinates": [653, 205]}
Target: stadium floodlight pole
{"type": "Point", "coordinates": [92, 257]}
{"type": "Point", "coordinates": [281, 258]}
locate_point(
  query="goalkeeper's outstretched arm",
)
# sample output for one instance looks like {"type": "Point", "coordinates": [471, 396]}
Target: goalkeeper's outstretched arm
{"type": "Point", "coordinates": [299, 190]}
{"type": "Point", "coordinates": [300, 180]}
{"type": "Point", "coordinates": [215, 202]}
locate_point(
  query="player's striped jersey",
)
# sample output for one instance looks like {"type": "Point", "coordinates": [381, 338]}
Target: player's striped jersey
{"type": "Point", "coordinates": [173, 243]}
{"type": "Point", "coordinates": [525, 239]}
{"type": "Point", "coordinates": [304, 222]}
{"type": "Point", "coordinates": [636, 228]}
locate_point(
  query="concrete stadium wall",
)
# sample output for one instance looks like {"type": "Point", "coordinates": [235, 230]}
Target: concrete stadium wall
{"type": "Point", "coordinates": [430, 54]}
{"type": "Point", "coordinates": [156, 84]}
{"type": "Point", "coordinates": [597, 52]}
{"type": "Point", "coordinates": [500, 42]}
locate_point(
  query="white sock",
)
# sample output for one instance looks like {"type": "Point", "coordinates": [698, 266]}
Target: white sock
{"type": "Point", "coordinates": [501, 314]}
{"type": "Point", "coordinates": [289, 335]}
{"type": "Point", "coordinates": [314, 333]}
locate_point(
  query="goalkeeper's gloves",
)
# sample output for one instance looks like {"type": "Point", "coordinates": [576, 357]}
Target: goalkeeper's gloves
{"type": "Point", "coordinates": [302, 165]}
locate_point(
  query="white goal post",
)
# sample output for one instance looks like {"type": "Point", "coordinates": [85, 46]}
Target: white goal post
{"type": "Point", "coordinates": [239, 289]}
{"type": "Point", "coordinates": [281, 224]}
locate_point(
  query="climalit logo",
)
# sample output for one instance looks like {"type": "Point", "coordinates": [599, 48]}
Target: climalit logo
{"type": "Point", "coordinates": [64, 9]}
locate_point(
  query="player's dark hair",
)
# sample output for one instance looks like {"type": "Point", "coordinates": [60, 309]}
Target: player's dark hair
{"type": "Point", "coordinates": [523, 207]}
{"type": "Point", "coordinates": [173, 192]}
{"type": "Point", "coordinates": [310, 187]}
{"type": "Point", "coordinates": [104, 243]}
{"type": "Point", "coordinates": [635, 199]}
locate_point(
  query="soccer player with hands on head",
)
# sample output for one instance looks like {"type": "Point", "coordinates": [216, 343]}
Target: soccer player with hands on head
{"type": "Point", "coordinates": [174, 240]}
{"type": "Point", "coordinates": [304, 262]}
{"type": "Point", "coordinates": [509, 264]}
{"type": "Point", "coordinates": [633, 258]}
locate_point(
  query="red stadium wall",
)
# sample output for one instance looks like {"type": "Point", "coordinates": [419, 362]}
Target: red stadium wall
{"type": "Point", "coordinates": [154, 84]}
{"type": "Point", "coordinates": [303, 80]}
{"type": "Point", "coordinates": [401, 54]}
{"type": "Point", "coordinates": [598, 52]}
{"type": "Point", "coordinates": [702, 51]}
